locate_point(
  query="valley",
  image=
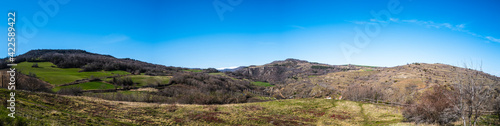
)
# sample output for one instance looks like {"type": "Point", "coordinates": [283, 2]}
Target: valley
{"type": "Point", "coordinates": [88, 88]}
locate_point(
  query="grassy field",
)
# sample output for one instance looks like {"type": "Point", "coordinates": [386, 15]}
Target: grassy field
{"type": "Point", "coordinates": [49, 109]}
{"type": "Point", "coordinates": [220, 73]}
{"type": "Point", "coordinates": [88, 86]}
{"type": "Point", "coordinates": [262, 84]}
{"type": "Point", "coordinates": [193, 70]}
{"type": "Point", "coordinates": [144, 80]}
{"type": "Point", "coordinates": [54, 75]}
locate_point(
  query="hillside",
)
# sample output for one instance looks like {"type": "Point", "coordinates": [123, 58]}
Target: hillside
{"type": "Point", "coordinates": [301, 79]}
{"type": "Point", "coordinates": [77, 72]}
{"type": "Point", "coordinates": [289, 70]}
{"type": "Point", "coordinates": [92, 62]}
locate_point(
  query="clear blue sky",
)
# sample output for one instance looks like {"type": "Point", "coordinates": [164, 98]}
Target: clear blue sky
{"type": "Point", "coordinates": [191, 33]}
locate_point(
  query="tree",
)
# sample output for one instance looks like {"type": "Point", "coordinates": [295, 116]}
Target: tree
{"type": "Point", "coordinates": [496, 107]}
{"type": "Point", "coordinates": [433, 106]}
{"type": "Point", "coordinates": [473, 93]}
{"type": "Point", "coordinates": [35, 65]}
{"type": "Point", "coordinates": [211, 70]}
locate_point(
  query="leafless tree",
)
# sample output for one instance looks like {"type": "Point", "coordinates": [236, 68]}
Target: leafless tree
{"type": "Point", "coordinates": [473, 92]}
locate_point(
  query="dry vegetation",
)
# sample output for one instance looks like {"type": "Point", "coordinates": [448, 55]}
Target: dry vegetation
{"type": "Point", "coordinates": [50, 109]}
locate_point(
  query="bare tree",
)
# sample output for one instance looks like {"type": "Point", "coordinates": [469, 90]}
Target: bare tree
{"type": "Point", "coordinates": [473, 93]}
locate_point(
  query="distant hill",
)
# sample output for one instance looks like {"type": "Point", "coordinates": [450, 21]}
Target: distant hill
{"type": "Point", "coordinates": [302, 79]}
{"type": "Point", "coordinates": [73, 58]}
{"type": "Point", "coordinates": [290, 70]}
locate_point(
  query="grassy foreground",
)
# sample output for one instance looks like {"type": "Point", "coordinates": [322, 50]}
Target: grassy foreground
{"type": "Point", "coordinates": [50, 109]}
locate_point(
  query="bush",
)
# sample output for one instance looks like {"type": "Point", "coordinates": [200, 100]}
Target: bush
{"type": "Point", "coordinates": [210, 70]}
{"type": "Point", "coordinates": [496, 107]}
{"type": "Point", "coordinates": [35, 65]}
{"type": "Point", "coordinates": [124, 81]}
{"type": "Point", "coordinates": [359, 92]}
{"type": "Point", "coordinates": [433, 106]}
{"type": "Point", "coordinates": [29, 82]}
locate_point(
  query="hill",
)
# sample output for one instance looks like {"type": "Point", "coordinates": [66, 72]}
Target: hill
{"type": "Point", "coordinates": [77, 72]}
{"type": "Point", "coordinates": [92, 62]}
{"type": "Point", "coordinates": [289, 70]}
{"type": "Point", "coordinates": [301, 79]}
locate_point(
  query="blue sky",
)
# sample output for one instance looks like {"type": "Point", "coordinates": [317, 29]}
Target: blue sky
{"type": "Point", "coordinates": [194, 34]}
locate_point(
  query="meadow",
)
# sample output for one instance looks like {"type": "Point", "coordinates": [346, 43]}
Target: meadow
{"type": "Point", "coordinates": [50, 73]}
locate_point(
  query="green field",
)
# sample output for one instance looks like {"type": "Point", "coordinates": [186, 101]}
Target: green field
{"type": "Point", "coordinates": [220, 73]}
{"type": "Point", "coordinates": [52, 74]}
{"type": "Point", "coordinates": [88, 86]}
{"type": "Point", "coordinates": [262, 84]}
{"type": "Point", "coordinates": [144, 80]}
{"type": "Point", "coordinates": [193, 70]}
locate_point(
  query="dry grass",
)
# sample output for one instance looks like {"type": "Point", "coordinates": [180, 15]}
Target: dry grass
{"type": "Point", "coordinates": [81, 110]}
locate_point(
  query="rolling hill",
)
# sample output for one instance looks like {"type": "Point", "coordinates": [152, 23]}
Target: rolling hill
{"type": "Point", "coordinates": [112, 91]}
{"type": "Point", "coordinates": [301, 79]}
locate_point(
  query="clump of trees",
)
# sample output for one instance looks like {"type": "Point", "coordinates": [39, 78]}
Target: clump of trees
{"type": "Point", "coordinates": [201, 88]}
{"type": "Point", "coordinates": [466, 99]}
{"type": "Point", "coordinates": [35, 65]}
{"type": "Point", "coordinates": [187, 88]}
{"type": "Point", "coordinates": [92, 62]}
{"type": "Point", "coordinates": [433, 106]}
{"type": "Point", "coordinates": [496, 107]}
{"type": "Point", "coordinates": [28, 82]}
{"type": "Point", "coordinates": [358, 92]}
{"type": "Point", "coordinates": [473, 93]}
{"type": "Point", "coordinates": [122, 81]}
{"type": "Point", "coordinates": [210, 70]}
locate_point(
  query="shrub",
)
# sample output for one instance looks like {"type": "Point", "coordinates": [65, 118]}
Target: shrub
{"type": "Point", "coordinates": [433, 106]}
{"type": "Point", "coordinates": [359, 92]}
{"type": "Point", "coordinates": [35, 65]}
{"type": "Point", "coordinates": [210, 70]}
{"type": "Point", "coordinates": [124, 81]}
{"type": "Point", "coordinates": [496, 107]}
{"type": "Point", "coordinates": [30, 83]}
